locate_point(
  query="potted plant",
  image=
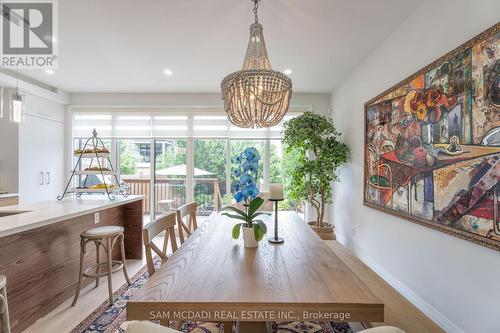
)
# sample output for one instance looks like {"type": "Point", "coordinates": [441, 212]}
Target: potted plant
{"type": "Point", "coordinates": [246, 191]}
{"type": "Point", "coordinates": [313, 140]}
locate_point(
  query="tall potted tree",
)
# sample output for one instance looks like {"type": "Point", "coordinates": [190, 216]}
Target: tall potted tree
{"type": "Point", "coordinates": [313, 141]}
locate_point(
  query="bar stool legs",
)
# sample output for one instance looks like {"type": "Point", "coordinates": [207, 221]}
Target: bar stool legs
{"type": "Point", "coordinates": [4, 308]}
{"type": "Point", "coordinates": [107, 238]}
{"type": "Point", "coordinates": [83, 244]}
{"type": "Point", "coordinates": [122, 250]}
{"type": "Point", "coordinates": [97, 263]}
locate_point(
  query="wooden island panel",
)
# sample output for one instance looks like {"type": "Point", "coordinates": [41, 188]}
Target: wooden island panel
{"type": "Point", "coordinates": [41, 264]}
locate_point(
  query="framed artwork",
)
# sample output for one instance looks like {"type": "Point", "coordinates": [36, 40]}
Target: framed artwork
{"type": "Point", "coordinates": [432, 144]}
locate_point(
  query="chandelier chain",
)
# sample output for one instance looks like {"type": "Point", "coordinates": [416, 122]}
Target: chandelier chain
{"type": "Point", "coordinates": [255, 8]}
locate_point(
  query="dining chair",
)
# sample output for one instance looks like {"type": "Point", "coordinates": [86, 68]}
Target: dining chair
{"type": "Point", "coordinates": [151, 230]}
{"type": "Point", "coordinates": [166, 223]}
{"type": "Point", "coordinates": [148, 327]}
{"type": "Point", "coordinates": [188, 210]}
{"type": "Point", "coordinates": [4, 308]}
{"type": "Point", "coordinates": [267, 206]}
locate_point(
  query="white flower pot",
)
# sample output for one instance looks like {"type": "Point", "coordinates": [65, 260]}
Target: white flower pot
{"type": "Point", "coordinates": [249, 238]}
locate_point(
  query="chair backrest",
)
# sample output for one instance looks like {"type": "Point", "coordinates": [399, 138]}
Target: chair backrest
{"type": "Point", "coordinates": [151, 230]}
{"type": "Point", "coordinates": [188, 210]}
{"type": "Point", "coordinates": [267, 205]}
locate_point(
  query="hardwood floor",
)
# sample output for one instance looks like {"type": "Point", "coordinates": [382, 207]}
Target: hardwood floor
{"type": "Point", "coordinates": [64, 318]}
{"type": "Point", "coordinates": [399, 311]}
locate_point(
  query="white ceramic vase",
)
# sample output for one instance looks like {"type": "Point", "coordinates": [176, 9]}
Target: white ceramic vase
{"type": "Point", "coordinates": [249, 238]}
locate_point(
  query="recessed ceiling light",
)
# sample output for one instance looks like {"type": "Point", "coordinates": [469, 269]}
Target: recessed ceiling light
{"type": "Point", "coordinates": [287, 71]}
{"type": "Point", "coordinates": [49, 71]}
{"type": "Point", "coordinates": [167, 72]}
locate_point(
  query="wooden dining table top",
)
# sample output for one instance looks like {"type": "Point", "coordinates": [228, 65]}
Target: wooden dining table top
{"type": "Point", "coordinates": [214, 277]}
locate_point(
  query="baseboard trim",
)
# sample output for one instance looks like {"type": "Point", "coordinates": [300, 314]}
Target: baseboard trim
{"type": "Point", "coordinates": [410, 295]}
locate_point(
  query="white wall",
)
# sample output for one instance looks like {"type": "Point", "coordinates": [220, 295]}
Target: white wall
{"type": "Point", "coordinates": [456, 282]}
{"type": "Point", "coordinates": [41, 149]}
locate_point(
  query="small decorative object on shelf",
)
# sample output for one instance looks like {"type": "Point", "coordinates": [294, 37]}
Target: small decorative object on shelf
{"type": "Point", "coordinates": [246, 191]}
{"type": "Point", "coordinates": [276, 195]}
{"type": "Point", "coordinates": [94, 150]}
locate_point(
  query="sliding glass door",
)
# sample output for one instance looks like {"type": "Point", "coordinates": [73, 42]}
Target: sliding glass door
{"type": "Point", "coordinates": [170, 175]}
{"type": "Point", "coordinates": [210, 164]}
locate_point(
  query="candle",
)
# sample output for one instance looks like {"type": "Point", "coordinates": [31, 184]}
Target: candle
{"type": "Point", "coordinates": [276, 191]}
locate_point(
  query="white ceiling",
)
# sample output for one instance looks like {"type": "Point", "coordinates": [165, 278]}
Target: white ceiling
{"type": "Point", "coordinates": [124, 45]}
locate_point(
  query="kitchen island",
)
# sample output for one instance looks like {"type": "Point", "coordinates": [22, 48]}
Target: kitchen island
{"type": "Point", "coordinates": [40, 248]}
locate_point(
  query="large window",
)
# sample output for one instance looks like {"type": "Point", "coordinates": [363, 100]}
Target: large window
{"type": "Point", "coordinates": [173, 157]}
{"type": "Point", "coordinates": [170, 175]}
{"type": "Point", "coordinates": [238, 146]}
{"type": "Point", "coordinates": [210, 164]}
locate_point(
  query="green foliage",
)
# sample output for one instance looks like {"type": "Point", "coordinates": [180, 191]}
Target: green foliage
{"type": "Point", "coordinates": [128, 158]}
{"type": "Point", "coordinates": [173, 155]}
{"type": "Point", "coordinates": [249, 217]}
{"type": "Point", "coordinates": [210, 155]}
{"type": "Point", "coordinates": [313, 142]}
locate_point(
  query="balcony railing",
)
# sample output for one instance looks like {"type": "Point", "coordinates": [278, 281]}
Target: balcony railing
{"type": "Point", "coordinates": [207, 193]}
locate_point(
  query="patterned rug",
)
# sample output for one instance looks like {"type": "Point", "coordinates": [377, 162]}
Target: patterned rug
{"type": "Point", "coordinates": [113, 319]}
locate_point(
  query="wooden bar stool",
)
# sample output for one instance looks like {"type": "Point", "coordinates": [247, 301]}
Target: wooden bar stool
{"type": "Point", "coordinates": [105, 237]}
{"type": "Point", "coordinates": [4, 308]}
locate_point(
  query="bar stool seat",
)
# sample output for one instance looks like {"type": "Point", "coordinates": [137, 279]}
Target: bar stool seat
{"type": "Point", "coordinates": [104, 231]}
{"type": "Point", "coordinates": [105, 237]}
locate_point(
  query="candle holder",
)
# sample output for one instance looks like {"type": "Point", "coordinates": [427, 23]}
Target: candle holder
{"type": "Point", "coordinates": [275, 239]}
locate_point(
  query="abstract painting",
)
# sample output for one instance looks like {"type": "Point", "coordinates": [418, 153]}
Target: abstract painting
{"type": "Point", "coordinates": [432, 144]}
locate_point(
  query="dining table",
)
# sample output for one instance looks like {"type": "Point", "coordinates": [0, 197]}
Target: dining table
{"type": "Point", "coordinates": [213, 277]}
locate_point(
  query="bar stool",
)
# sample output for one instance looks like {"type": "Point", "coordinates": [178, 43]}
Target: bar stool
{"type": "Point", "coordinates": [105, 237]}
{"type": "Point", "coordinates": [4, 308]}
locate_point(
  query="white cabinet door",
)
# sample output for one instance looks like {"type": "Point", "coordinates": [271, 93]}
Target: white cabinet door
{"type": "Point", "coordinates": [41, 151]}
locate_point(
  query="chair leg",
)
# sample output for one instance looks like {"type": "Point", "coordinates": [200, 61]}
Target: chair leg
{"type": "Point", "coordinates": [4, 315]}
{"type": "Point", "coordinates": [109, 249]}
{"type": "Point", "coordinates": [97, 260]}
{"type": "Point", "coordinates": [122, 250]}
{"type": "Point", "coordinates": [80, 274]}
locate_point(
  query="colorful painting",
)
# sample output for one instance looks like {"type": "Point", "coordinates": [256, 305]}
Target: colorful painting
{"type": "Point", "coordinates": [432, 144]}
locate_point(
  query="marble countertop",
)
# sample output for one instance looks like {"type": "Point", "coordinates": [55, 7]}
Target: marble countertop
{"type": "Point", "coordinates": [30, 216]}
{"type": "Point", "coordinates": [8, 195]}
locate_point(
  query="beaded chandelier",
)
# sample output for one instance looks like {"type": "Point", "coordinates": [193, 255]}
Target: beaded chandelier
{"type": "Point", "coordinates": [256, 96]}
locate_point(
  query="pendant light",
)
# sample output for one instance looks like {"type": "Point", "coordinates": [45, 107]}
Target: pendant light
{"type": "Point", "coordinates": [17, 104]}
{"type": "Point", "coordinates": [1, 102]}
{"type": "Point", "coordinates": [256, 96]}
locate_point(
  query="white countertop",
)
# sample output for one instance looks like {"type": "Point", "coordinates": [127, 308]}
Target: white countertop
{"type": "Point", "coordinates": [48, 212]}
{"type": "Point", "coordinates": [8, 195]}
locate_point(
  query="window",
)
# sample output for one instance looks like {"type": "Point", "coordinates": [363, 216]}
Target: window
{"type": "Point", "coordinates": [177, 156]}
{"type": "Point", "coordinates": [170, 174]}
{"type": "Point", "coordinates": [238, 146]}
{"type": "Point", "coordinates": [210, 164]}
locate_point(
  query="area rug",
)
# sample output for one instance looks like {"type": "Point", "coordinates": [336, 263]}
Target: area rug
{"type": "Point", "coordinates": [113, 319]}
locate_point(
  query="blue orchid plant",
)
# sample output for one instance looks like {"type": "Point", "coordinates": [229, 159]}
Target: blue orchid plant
{"type": "Point", "coordinates": [246, 190]}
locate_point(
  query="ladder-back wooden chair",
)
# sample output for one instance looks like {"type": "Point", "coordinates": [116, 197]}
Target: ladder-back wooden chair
{"type": "Point", "coordinates": [188, 210]}
{"type": "Point", "coordinates": [151, 230]}
{"type": "Point", "coordinates": [167, 223]}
